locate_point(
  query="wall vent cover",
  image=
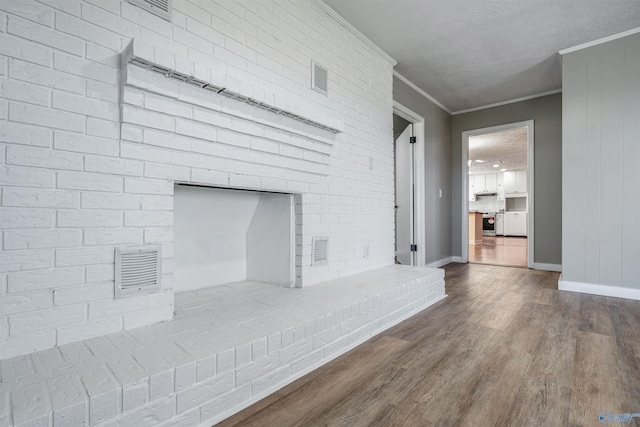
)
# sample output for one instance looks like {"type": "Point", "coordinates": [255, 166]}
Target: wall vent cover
{"type": "Point", "coordinates": [162, 8]}
{"type": "Point", "coordinates": [320, 250]}
{"type": "Point", "coordinates": [137, 270]}
{"type": "Point", "coordinates": [319, 78]}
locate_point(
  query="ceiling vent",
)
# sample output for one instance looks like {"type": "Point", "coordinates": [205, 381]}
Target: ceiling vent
{"type": "Point", "coordinates": [319, 79]}
{"type": "Point", "coordinates": [320, 250]}
{"type": "Point", "coordinates": [137, 270]}
{"type": "Point", "coordinates": [162, 8]}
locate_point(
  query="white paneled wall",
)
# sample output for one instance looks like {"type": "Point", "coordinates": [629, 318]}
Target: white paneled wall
{"type": "Point", "coordinates": [600, 174]}
{"type": "Point", "coordinates": [75, 184]}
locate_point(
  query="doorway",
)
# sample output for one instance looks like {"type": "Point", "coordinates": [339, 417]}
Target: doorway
{"type": "Point", "coordinates": [404, 160]}
{"type": "Point", "coordinates": [497, 226]}
{"type": "Point", "coordinates": [409, 177]}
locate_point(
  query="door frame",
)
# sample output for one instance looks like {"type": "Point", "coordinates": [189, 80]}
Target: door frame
{"type": "Point", "coordinates": [419, 176]}
{"type": "Point", "coordinates": [529, 124]}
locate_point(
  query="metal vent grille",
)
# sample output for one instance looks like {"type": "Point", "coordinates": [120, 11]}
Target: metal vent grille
{"type": "Point", "coordinates": [319, 79]}
{"type": "Point", "coordinates": [137, 270]}
{"type": "Point", "coordinates": [320, 250]}
{"type": "Point", "coordinates": [162, 8]}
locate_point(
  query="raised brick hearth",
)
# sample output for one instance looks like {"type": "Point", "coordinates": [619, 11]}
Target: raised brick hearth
{"type": "Point", "coordinates": [227, 347]}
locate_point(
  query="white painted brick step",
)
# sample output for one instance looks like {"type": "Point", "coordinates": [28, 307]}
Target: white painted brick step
{"type": "Point", "coordinates": [227, 347]}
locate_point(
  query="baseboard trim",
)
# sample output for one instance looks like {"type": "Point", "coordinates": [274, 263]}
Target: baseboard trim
{"type": "Point", "coordinates": [547, 267]}
{"type": "Point", "coordinates": [602, 290]}
{"type": "Point", "coordinates": [443, 261]}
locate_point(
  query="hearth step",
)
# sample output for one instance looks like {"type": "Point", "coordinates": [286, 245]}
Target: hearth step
{"type": "Point", "coordinates": [227, 347]}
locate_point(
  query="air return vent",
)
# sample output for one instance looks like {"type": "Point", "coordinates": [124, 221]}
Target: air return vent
{"type": "Point", "coordinates": [320, 250]}
{"type": "Point", "coordinates": [162, 8]}
{"type": "Point", "coordinates": [137, 270]}
{"type": "Point", "coordinates": [319, 78]}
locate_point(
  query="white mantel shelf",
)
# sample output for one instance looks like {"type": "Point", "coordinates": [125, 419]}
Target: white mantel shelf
{"type": "Point", "coordinates": [182, 69]}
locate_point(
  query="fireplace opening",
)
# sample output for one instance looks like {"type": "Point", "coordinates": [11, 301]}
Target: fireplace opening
{"type": "Point", "coordinates": [224, 235]}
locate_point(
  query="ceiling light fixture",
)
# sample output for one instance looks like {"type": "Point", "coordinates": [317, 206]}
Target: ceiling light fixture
{"type": "Point", "coordinates": [503, 170]}
{"type": "Point", "coordinates": [479, 161]}
{"type": "Point", "coordinates": [496, 165]}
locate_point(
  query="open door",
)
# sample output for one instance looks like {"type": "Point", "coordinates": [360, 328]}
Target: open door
{"type": "Point", "coordinates": [405, 192]}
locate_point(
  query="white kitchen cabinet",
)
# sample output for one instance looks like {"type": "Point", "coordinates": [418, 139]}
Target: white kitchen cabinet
{"type": "Point", "coordinates": [509, 181]}
{"type": "Point", "coordinates": [476, 185]}
{"type": "Point", "coordinates": [515, 182]}
{"type": "Point", "coordinates": [484, 183]}
{"type": "Point", "coordinates": [490, 182]}
{"type": "Point", "coordinates": [499, 225]}
{"type": "Point", "coordinates": [479, 183]}
{"type": "Point", "coordinates": [515, 223]}
{"type": "Point", "coordinates": [521, 181]}
{"type": "Point", "coordinates": [500, 187]}
{"type": "Point", "coordinates": [472, 190]}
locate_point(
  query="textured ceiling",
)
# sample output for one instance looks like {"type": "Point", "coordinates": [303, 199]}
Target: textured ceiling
{"type": "Point", "coordinates": [471, 53]}
{"type": "Point", "coordinates": [507, 148]}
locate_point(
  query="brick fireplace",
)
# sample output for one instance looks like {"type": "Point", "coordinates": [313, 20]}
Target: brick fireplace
{"type": "Point", "coordinates": [121, 131]}
{"type": "Point", "coordinates": [96, 169]}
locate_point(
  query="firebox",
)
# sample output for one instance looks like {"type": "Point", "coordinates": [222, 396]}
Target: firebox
{"type": "Point", "coordinates": [228, 235]}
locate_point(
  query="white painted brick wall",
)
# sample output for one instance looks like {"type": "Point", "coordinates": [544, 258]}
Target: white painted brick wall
{"type": "Point", "coordinates": [66, 141]}
{"type": "Point", "coordinates": [31, 238]}
{"type": "Point", "coordinates": [72, 190]}
{"type": "Point", "coordinates": [24, 281]}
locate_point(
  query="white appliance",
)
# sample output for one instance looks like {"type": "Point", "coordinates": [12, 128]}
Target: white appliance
{"type": "Point", "coordinates": [499, 224]}
{"type": "Point", "coordinates": [515, 223]}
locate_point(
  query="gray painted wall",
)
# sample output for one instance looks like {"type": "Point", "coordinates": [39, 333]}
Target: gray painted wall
{"type": "Point", "coordinates": [547, 115]}
{"type": "Point", "coordinates": [399, 125]}
{"type": "Point", "coordinates": [601, 164]}
{"type": "Point", "coordinates": [438, 169]}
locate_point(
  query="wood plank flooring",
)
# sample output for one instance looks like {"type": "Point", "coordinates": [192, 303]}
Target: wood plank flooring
{"type": "Point", "coordinates": [500, 250]}
{"type": "Point", "coordinates": [506, 348]}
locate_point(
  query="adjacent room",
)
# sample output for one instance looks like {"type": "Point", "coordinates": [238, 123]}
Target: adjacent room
{"type": "Point", "coordinates": [319, 212]}
{"type": "Point", "coordinates": [498, 210]}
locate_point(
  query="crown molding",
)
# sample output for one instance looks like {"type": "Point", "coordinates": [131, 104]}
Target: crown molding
{"type": "Point", "coordinates": [353, 30]}
{"type": "Point", "coordinates": [600, 41]}
{"type": "Point", "coordinates": [420, 91]}
{"type": "Point", "coordinates": [511, 101]}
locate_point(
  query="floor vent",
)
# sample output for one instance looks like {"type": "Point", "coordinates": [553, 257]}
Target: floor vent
{"type": "Point", "coordinates": [319, 79]}
{"type": "Point", "coordinates": [137, 270]}
{"type": "Point", "coordinates": [162, 8]}
{"type": "Point", "coordinates": [320, 250]}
